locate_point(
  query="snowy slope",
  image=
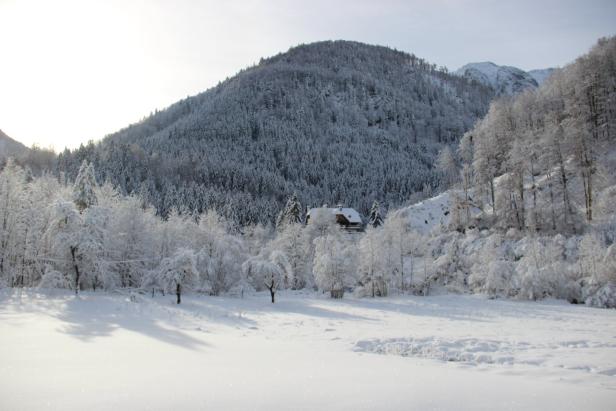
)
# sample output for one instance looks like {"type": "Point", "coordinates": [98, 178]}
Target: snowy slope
{"type": "Point", "coordinates": [503, 79]}
{"type": "Point", "coordinates": [306, 352]}
{"type": "Point", "coordinates": [431, 213]}
{"type": "Point", "coordinates": [428, 214]}
{"type": "Point", "coordinates": [541, 75]}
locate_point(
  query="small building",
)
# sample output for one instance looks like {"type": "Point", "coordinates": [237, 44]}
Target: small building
{"type": "Point", "coordinates": [347, 218]}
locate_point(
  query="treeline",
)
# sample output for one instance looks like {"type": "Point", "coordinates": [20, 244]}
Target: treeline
{"type": "Point", "coordinates": [90, 237]}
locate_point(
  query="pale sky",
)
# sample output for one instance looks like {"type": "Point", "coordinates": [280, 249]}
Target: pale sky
{"type": "Point", "coordinates": [73, 71]}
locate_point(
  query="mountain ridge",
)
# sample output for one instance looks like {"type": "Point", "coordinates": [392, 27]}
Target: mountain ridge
{"type": "Point", "coordinates": [10, 147]}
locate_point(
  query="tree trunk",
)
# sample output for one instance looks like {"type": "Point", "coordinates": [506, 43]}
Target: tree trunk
{"type": "Point", "coordinates": [76, 267]}
{"type": "Point", "coordinates": [587, 166]}
{"type": "Point", "coordinates": [566, 201]}
{"type": "Point", "coordinates": [272, 293]}
{"type": "Point", "coordinates": [552, 202]}
{"type": "Point", "coordinates": [178, 292]}
{"type": "Point", "coordinates": [401, 272]}
{"type": "Point", "coordinates": [589, 212]}
{"type": "Point", "coordinates": [493, 196]}
{"type": "Point", "coordinates": [522, 205]}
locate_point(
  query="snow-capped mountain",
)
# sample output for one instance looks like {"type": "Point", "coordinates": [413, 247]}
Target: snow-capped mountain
{"type": "Point", "coordinates": [540, 75]}
{"type": "Point", "coordinates": [503, 79]}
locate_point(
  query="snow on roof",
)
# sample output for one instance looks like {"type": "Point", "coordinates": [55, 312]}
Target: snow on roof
{"type": "Point", "coordinates": [349, 213]}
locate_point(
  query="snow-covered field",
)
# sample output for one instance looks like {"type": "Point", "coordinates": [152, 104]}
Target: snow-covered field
{"type": "Point", "coordinates": [104, 351]}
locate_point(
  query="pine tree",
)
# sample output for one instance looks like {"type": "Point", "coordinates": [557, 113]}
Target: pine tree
{"type": "Point", "coordinates": [83, 189]}
{"type": "Point", "coordinates": [375, 219]}
{"type": "Point", "coordinates": [294, 210]}
{"type": "Point", "coordinates": [291, 214]}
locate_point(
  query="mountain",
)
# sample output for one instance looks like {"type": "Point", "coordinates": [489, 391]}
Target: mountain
{"type": "Point", "coordinates": [335, 121]}
{"type": "Point", "coordinates": [541, 75]}
{"type": "Point", "coordinates": [10, 147]}
{"type": "Point", "coordinates": [505, 80]}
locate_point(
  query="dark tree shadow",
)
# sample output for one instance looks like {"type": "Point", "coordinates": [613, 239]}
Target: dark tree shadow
{"type": "Point", "coordinates": [89, 316]}
{"type": "Point", "coordinates": [284, 305]}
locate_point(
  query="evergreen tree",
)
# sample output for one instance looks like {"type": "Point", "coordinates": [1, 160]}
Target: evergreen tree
{"type": "Point", "coordinates": [294, 210]}
{"type": "Point", "coordinates": [83, 189]}
{"type": "Point", "coordinates": [375, 219]}
{"type": "Point", "coordinates": [291, 214]}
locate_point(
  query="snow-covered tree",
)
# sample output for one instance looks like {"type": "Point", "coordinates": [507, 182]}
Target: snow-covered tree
{"type": "Point", "coordinates": [334, 263]}
{"type": "Point", "coordinates": [291, 213]}
{"type": "Point", "coordinates": [375, 259]}
{"type": "Point", "coordinates": [447, 165]}
{"type": "Point", "coordinates": [177, 273]}
{"type": "Point", "coordinates": [84, 194]}
{"type": "Point", "coordinates": [65, 235]}
{"type": "Point", "coordinates": [375, 218]}
{"type": "Point", "coordinates": [294, 242]}
{"type": "Point", "coordinates": [264, 274]}
{"type": "Point", "coordinates": [12, 223]}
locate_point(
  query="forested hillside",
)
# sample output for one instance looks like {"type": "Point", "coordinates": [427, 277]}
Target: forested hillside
{"type": "Point", "coordinates": [539, 161]}
{"type": "Point", "coordinates": [336, 122]}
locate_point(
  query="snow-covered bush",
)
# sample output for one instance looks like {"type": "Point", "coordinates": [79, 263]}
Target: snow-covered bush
{"type": "Point", "coordinates": [604, 297]}
{"type": "Point", "coordinates": [53, 279]}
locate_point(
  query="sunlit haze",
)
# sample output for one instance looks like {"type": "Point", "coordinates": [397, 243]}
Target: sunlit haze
{"type": "Point", "coordinates": [74, 71]}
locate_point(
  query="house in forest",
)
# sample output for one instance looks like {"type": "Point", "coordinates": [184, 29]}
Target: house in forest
{"type": "Point", "coordinates": [347, 218]}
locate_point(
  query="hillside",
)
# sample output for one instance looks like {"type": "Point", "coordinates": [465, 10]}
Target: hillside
{"type": "Point", "coordinates": [336, 122]}
{"type": "Point", "coordinates": [541, 75]}
{"type": "Point", "coordinates": [10, 147]}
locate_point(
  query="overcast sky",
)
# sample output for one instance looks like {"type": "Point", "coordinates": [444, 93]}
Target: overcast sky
{"type": "Point", "coordinates": [73, 71]}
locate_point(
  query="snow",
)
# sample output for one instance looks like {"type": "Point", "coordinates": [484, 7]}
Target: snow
{"type": "Point", "coordinates": [434, 212]}
{"type": "Point", "coordinates": [428, 214]}
{"type": "Point", "coordinates": [487, 69]}
{"type": "Point", "coordinates": [101, 351]}
{"type": "Point", "coordinates": [504, 79]}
